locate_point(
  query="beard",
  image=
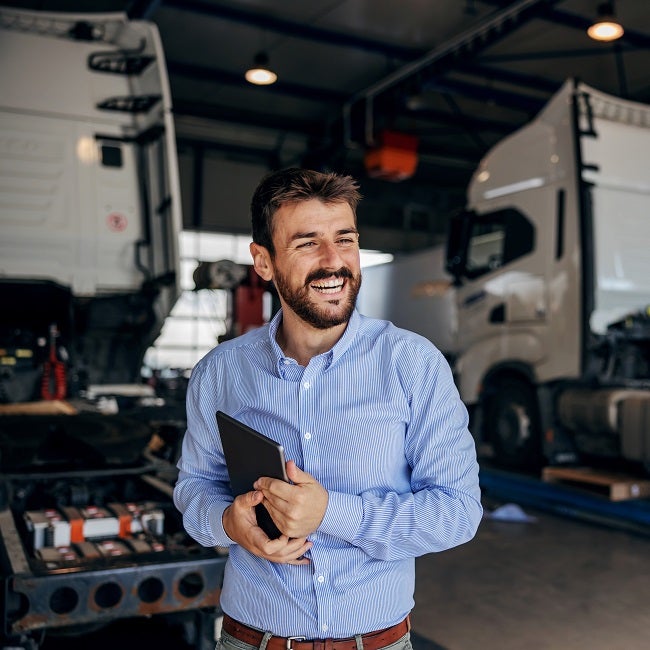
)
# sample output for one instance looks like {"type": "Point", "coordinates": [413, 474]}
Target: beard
{"type": "Point", "coordinates": [319, 316]}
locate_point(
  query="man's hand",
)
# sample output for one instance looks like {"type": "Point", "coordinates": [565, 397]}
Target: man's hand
{"type": "Point", "coordinates": [240, 524]}
{"type": "Point", "coordinates": [297, 509]}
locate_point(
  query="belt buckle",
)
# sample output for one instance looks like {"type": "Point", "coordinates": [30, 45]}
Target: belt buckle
{"type": "Point", "coordinates": [294, 638]}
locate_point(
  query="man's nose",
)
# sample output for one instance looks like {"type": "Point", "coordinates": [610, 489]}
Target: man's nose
{"type": "Point", "coordinates": [330, 255]}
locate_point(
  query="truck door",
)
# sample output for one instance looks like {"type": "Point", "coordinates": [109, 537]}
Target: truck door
{"type": "Point", "coordinates": [499, 295]}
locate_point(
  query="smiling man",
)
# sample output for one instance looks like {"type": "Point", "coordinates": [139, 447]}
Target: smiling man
{"type": "Point", "coordinates": [312, 257]}
{"type": "Point", "coordinates": [382, 467]}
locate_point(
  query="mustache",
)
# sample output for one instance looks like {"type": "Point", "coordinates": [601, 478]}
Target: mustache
{"type": "Point", "coordinates": [323, 274]}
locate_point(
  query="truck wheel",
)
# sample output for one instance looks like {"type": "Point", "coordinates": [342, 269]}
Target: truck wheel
{"type": "Point", "coordinates": [513, 424]}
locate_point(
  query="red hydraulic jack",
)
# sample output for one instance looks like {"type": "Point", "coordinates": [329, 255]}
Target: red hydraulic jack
{"type": "Point", "coordinates": [53, 382]}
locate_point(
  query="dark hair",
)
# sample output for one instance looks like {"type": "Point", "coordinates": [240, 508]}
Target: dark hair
{"type": "Point", "coordinates": [295, 185]}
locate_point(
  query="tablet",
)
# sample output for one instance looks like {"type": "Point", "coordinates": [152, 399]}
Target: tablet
{"type": "Point", "coordinates": [249, 455]}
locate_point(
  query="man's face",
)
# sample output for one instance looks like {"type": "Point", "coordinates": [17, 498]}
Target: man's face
{"type": "Point", "coordinates": [316, 267]}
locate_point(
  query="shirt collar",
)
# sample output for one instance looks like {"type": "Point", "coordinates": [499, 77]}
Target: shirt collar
{"type": "Point", "coordinates": [333, 355]}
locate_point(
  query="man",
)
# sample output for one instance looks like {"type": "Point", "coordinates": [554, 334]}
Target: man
{"type": "Point", "coordinates": [381, 463]}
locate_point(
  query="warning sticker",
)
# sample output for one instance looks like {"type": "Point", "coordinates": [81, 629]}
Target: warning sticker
{"type": "Point", "coordinates": [117, 222]}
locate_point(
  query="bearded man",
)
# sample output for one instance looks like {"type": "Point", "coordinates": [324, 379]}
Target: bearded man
{"type": "Point", "coordinates": [382, 466]}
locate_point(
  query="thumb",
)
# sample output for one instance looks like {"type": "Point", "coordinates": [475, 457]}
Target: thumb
{"type": "Point", "coordinates": [296, 475]}
{"type": "Point", "coordinates": [254, 497]}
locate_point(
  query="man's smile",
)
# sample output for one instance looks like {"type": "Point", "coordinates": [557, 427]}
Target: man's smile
{"type": "Point", "coordinates": [334, 285]}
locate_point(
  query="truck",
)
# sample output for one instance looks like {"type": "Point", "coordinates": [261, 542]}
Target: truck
{"type": "Point", "coordinates": [540, 297]}
{"type": "Point", "coordinates": [89, 269]}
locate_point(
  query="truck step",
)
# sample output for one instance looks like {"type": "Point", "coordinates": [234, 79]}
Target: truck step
{"type": "Point", "coordinates": [130, 104]}
{"type": "Point", "coordinates": [615, 486]}
{"type": "Point", "coordinates": [124, 63]}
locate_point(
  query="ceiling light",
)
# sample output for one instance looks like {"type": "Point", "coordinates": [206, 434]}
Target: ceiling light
{"type": "Point", "coordinates": [260, 74]}
{"type": "Point", "coordinates": [606, 27]}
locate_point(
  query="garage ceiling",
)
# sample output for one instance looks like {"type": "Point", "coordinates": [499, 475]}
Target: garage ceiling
{"type": "Point", "coordinates": [458, 75]}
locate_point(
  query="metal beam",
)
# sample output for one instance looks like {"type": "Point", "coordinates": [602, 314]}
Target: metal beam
{"type": "Point", "coordinates": [460, 121]}
{"type": "Point", "coordinates": [576, 21]}
{"type": "Point", "coordinates": [483, 93]}
{"type": "Point", "coordinates": [263, 120]}
{"type": "Point", "coordinates": [296, 29]}
{"type": "Point", "coordinates": [215, 75]}
{"type": "Point", "coordinates": [549, 54]}
{"type": "Point", "coordinates": [518, 79]}
{"type": "Point", "coordinates": [568, 19]}
{"type": "Point", "coordinates": [465, 44]}
{"type": "Point", "coordinates": [335, 38]}
{"type": "Point", "coordinates": [442, 59]}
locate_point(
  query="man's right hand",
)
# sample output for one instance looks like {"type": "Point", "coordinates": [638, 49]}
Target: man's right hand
{"type": "Point", "coordinates": [240, 523]}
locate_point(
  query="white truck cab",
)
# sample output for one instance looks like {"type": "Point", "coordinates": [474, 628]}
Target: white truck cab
{"type": "Point", "coordinates": [90, 208]}
{"type": "Point", "coordinates": [547, 324]}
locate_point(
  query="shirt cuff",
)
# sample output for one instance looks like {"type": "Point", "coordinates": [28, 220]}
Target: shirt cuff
{"type": "Point", "coordinates": [343, 516]}
{"type": "Point", "coordinates": [215, 520]}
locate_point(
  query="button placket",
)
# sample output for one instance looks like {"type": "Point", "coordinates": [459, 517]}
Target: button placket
{"type": "Point", "coordinates": [307, 394]}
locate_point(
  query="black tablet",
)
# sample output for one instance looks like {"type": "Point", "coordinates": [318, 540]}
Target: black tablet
{"type": "Point", "coordinates": [249, 455]}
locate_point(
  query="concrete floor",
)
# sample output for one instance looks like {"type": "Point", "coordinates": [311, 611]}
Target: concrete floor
{"type": "Point", "coordinates": [553, 584]}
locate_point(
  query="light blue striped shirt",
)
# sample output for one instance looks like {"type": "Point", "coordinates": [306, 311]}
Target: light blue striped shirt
{"type": "Point", "coordinates": [378, 421]}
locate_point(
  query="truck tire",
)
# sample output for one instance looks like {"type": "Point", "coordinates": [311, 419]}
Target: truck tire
{"type": "Point", "coordinates": [513, 424]}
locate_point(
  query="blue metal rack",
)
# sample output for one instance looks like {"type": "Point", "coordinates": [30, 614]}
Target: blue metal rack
{"type": "Point", "coordinates": [524, 490]}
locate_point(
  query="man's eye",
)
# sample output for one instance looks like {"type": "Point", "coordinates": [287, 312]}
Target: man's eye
{"type": "Point", "coordinates": [307, 244]}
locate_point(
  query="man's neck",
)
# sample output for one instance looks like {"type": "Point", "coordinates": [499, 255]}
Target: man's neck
{"type": "Point", "coordinates": [301, 341]}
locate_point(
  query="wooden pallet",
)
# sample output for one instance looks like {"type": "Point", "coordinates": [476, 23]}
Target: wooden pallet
{"type": "Point", "coordinates": [615, 486]}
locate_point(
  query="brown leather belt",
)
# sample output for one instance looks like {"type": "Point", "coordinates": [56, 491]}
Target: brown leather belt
{"type": "Point", "coordinates": [371, 641]}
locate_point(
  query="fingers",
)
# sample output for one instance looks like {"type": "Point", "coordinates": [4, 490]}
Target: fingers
{"type": "Point", "coordinates": [281, 489]}
{"type": "Point", "coordinates": [240, 523]}
{"type": "Point", "coordinates": [277, 486]}
{"type": "Point", "coordinates": [297, 508]}
{"type": "Point", "coordinates": [286, 550]}
{"type": "Point", "coordinates": [254, 498]}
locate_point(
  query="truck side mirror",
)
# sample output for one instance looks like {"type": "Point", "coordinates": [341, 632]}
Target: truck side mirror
{"type": "Point", "coordinates": [460, 227]}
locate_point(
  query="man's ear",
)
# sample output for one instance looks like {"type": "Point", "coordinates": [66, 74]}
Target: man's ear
{"type": "Point", "coordinates": [261, 261]}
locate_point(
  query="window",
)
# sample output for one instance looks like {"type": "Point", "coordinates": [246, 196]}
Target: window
{"type": "Point", "coordinates": [496, 239]}
{"type": "Point", "coordinates": [199, 317]}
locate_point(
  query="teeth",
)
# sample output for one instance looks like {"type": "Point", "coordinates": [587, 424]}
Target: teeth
{"type": "Point", "coordinates": [329, 286]}
{"type": "Point", "coordinates": [329, 283]}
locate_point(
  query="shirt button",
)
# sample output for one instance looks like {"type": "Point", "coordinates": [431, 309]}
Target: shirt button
{"type": "Point", "coordinates": [321, 578]}
{"type": "Point", "coordinates": [308, 436]}
{"type": "Point", "coordinates": [306, 385]}
{"type": "Point", "coordinates": [325, 627]}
